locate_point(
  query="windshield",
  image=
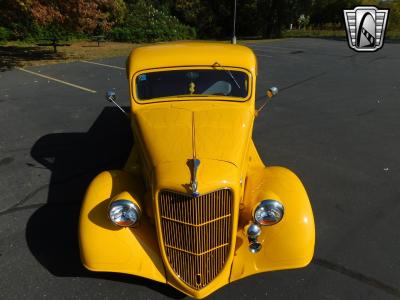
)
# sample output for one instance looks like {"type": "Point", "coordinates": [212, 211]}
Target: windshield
{"type": "Point", "coordinates": [196, 83]}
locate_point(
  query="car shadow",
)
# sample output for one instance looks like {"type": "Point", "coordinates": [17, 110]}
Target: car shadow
{"type": "Point", "coordinates": [74, 159]}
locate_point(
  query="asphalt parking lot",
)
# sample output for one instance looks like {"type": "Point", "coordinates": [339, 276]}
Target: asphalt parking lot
{"type": "Point", "coordinates": [336, 123]}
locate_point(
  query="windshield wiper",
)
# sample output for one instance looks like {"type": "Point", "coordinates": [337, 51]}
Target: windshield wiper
{"type": "Point", "coordinates": [217, 64]}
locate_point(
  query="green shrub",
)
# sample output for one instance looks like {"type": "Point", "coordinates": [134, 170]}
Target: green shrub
{"type": "Point", "coordinates": [145, 23]}
{"type": "Point", "coordinates": [35, 33]}
{"type": "Point", "coordinates": [4, 34]}
{"type": "Point", "coordinates": [50, 31]}
{"type": "Point", "coordinates": [120, 34]}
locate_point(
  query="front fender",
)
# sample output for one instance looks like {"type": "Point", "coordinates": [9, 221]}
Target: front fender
{"type": "Point", "coordinates": [286, 245]}
{"type": "Point", "coordinates": [108, 248]}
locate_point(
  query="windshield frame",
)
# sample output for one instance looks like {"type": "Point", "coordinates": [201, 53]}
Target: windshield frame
{"type": "Point", "coordinates": [197, 97]}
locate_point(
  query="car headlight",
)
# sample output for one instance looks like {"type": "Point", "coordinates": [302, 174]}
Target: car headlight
{"type": "Point", "coordinates": [268, 212]}
{"type": "Point", "coordinates": [124, 213]}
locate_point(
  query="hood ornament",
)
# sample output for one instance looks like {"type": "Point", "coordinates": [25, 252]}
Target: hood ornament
{"type": "Point", "coordinates": [195, 162]}
{"type": "Point", "coordinates": [194, 183]}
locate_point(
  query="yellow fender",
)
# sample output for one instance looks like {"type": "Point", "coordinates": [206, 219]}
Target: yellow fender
{"type": "Point", "coordinates": [108, 248]}
{"type": "Point", "coordinates": [285, 245]}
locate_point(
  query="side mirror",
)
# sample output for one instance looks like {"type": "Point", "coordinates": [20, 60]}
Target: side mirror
{"type": "Point", "coordinates": [111, 96]}
{"type": "Point", "coordinates": [272, 91]}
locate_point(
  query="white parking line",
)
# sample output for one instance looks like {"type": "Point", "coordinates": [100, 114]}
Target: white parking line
{"type": "Point", "coordinates": [104, 65]}
{"type": "Point", "coordinates": [57, 80]}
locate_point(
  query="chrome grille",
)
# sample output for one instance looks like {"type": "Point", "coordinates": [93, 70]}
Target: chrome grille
{"type": "Point", "coordinates": [196, 234]}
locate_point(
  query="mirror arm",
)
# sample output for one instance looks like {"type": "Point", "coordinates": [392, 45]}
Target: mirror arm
{"type": "Point", "coordinates": [116, 104]}
{"type": "Point", "coordinates": [262, 106]}
{"type": "Point", "coordinates": [273, 91]}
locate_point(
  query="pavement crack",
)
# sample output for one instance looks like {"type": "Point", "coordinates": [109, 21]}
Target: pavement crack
{"type": "Point", "coordinates": [357, 276]}
{"type": "Point", "coordinates": [39, 205]}
{"type": "Point", "coordinates": [42, 187]}
{"type": "Point", "coordinates": [19, 208]}
{"type": "Point", "coordinates": [23, 200]}
{"type": "Point", "coordinates": [377, 58]}
{"type": "Point", "coordinates": [364, 113]}
{"type": "Point", "coordinates": [303, 81]}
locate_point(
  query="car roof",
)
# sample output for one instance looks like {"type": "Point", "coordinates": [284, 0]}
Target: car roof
{"type": "Point", "coordinates": [177, 54]}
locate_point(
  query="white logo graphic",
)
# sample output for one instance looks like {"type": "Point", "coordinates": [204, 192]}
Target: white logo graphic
{"type": "Point", "coordinates": [365, 27]}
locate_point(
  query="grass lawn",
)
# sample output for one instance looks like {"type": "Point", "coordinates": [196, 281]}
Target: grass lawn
{"type": "Point", "coordinates": [314, 33]}
{"type": "Point", "coordinates": [329, 33]}
{"type": "Point", "coordinates": [19, 54]}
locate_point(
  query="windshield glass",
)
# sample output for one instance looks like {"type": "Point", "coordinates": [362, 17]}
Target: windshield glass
{"type": "Point", "coordinates": [196, 83]}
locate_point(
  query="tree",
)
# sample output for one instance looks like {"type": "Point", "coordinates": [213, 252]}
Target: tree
{"type": "Point", "coordinates": [58, 17]}
{"type": "Point", "coordinates": [212, 19]}
{"type": "Point", "coordinates": [246, 20]}
{"type": "Point", "coordinates": [394, 14]}
{"type": "Point", "coordinates": [303, 21]}
{"type": "Point", "coordinates": [146, 23]}
{"type": "Point", "coordinates": [330, 12]}
{"type": "Point", "coordinates": [276, 15]}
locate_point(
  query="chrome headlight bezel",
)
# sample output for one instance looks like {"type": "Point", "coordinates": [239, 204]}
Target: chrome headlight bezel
{"type": "Point", "coordinates": [131, 212]}
{"type": "Point", "coordinates": [271, 210]}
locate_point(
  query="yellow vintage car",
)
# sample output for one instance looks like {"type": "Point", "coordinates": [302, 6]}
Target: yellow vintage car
{"type": "Point", "coordinates": [194, 206]}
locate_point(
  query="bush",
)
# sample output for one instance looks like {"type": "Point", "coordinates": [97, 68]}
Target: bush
{"type": "Point", "coordinates": [4, 34]}
{"type": "Point", "coordinates": [127, 34]}
{"type": "Point", "coordinates": [38, 33]}
{"type": "Point", "coordinates": [120, 34]}
{"type": "Point", "coordinates": [145, 23]}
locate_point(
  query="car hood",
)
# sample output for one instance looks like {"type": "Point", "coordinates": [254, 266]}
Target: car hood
{"type": "Point", "coordinates": [178, 132]}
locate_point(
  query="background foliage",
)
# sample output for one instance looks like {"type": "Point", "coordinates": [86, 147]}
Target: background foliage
{"type": "Point", "coordinates": [157, 20]}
